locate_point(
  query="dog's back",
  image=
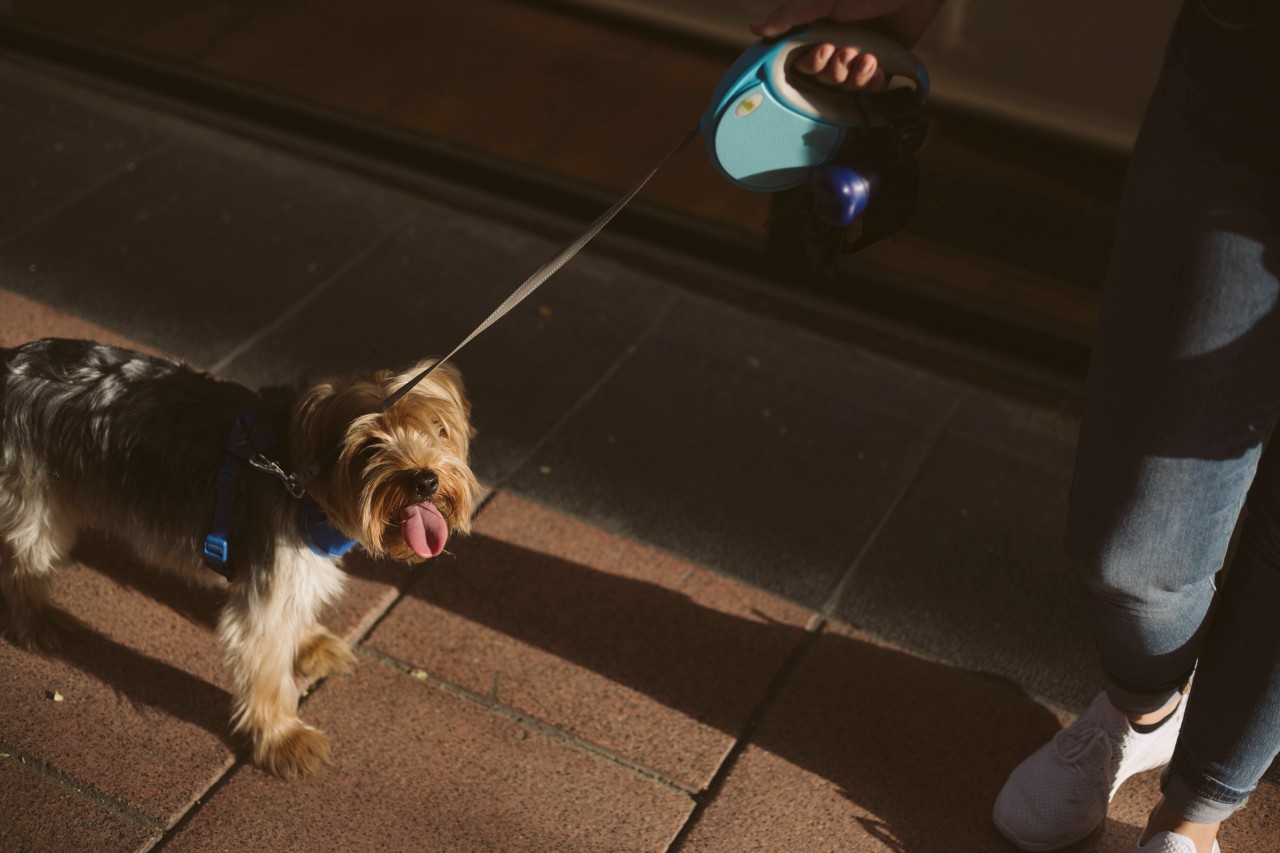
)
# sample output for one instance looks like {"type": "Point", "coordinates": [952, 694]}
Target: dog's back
{"type": "Point", "coordinates": [111, 438]}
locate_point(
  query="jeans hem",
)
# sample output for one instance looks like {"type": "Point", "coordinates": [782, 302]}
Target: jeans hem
{"type": "Point", "coordinates": [1131, 702]}
{"type": "Point", "coordinates": [1197, 797]}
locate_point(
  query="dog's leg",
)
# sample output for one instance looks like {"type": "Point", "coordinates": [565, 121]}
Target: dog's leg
{"type": "Point", "coordinates": [269, 615]}
{"type": "Point", "coordinates": [322, 653]}
{"type": "Point", "coordinates": [35, 540]}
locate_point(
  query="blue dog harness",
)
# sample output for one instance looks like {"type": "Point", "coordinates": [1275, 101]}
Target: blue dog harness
{"type": "Point", "coordinates": [321, 536]}
{"type": "Point", "coordinates": [246, 441]}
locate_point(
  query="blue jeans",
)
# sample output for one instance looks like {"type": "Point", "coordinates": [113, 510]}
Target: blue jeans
{"type": "Point", "coordinates": [1183, 397]}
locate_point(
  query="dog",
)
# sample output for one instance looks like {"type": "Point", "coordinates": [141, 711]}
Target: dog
{"type": "Point", "coordinates": [141, 448]}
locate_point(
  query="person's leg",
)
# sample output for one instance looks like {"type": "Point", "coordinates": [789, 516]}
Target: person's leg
{"type": "Point", "coordinates": [1184, 391]}
{"type": "Point", "coordinates": [1231, 733]}
{"type": "Point", "coordinates": [1183, 387]}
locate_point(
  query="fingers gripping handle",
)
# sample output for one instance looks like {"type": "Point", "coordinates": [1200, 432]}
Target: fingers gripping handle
{"type": "Point", "coordinates": [766, 129]}
{"type": "Point", "coordinates": [807, 95]}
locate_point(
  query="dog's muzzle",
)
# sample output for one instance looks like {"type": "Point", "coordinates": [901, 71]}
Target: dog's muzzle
{"type": "Point", "coordinates": [425, 484]}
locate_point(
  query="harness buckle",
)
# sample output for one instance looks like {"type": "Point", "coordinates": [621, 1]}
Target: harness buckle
{"type": "Point", "coordinates": [215, 554]}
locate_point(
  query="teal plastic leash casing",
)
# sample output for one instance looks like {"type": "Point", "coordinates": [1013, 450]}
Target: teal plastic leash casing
{"type": "Point", "coordinates": [767, 130]}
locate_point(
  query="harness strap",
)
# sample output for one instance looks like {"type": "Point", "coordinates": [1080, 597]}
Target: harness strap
{"type": "Point", "coordinates": [321, 536]}
{"type": "Point", "coordinates": [242, 442]}
{"type": "Point", "coordinates": [246, 442]}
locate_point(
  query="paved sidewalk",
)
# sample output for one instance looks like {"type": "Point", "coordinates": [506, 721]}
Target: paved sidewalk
{"type": "Point", "coordinates": [736, 586]}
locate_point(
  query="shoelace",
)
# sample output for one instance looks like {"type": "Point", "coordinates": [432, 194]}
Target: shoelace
{"type": "Point", "coordinates": [1072, 744]}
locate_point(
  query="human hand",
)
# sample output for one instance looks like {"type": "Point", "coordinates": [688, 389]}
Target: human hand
{"type": "Point", "coordinates": [845, 67]}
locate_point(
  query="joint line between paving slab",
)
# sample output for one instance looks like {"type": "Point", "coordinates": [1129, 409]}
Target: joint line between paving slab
{"type": "Point", "coordinates": [407, 580]}
{"type": "Point", "coordinates": [630, 351]}
{"type": "Point", "coordinates": [812, 631]}
{"type": "Point", "coordinates": [197, 804]}
{"type": "Point", "coordinates": [219, 783]}
{"type": "Point", "coordinates": [223, 778]}
{"type": "Point", "coordinates": [527, 721]}
{"type": "Point", "coordinates": [80, 788]}
{"type": "Point", "coordinates": [89, 190]}
{"type": "Point", "coordinates": [833, 600]}
{"type": "Point", "coordinates": [293, 310]}
{"type": "Point", "coordinates": [704, 798]}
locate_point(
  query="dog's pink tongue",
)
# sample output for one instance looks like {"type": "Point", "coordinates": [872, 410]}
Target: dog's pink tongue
{"type": "Point", "coordinates": [424, 529]}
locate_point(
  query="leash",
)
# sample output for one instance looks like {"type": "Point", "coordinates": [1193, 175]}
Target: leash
{"type": "Point", "coordinates": [297, 483]}
{"type": "Point", "coordinates": [544, 272]}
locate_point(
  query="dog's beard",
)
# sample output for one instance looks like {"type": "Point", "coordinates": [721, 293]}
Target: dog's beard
{"type": "Point", "coordinates": [374, 493]}
{"type": "Point", "coordinates": [407, 524]}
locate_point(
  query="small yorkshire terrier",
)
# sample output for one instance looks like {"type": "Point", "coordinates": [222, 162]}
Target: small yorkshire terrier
{"type": "Point", "coordinates": [141, 448]}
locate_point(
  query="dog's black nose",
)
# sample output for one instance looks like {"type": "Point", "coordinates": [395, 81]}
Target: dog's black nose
{"type": "Point", "coordinates": [425, 484]}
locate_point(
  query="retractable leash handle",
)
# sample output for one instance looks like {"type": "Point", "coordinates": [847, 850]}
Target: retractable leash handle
{"type": "Point", "coordinates": [769, 128]}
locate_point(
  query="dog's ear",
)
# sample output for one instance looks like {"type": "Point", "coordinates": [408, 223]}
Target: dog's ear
{"type": "Point", "coordinates": [445, 383]}
{"type": "Point", "coordinates": [326, 411]}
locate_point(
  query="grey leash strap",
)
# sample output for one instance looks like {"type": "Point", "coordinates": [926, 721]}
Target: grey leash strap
{"type": "Point", "coordinates": [297, 483]}
{"type": "Point", "coordinates": [544, 272]}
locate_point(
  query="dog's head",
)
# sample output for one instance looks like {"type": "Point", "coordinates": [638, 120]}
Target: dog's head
{"type": "Point", "coordinates": [402, 480]}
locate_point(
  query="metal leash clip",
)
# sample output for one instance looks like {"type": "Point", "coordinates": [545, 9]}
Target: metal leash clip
{"type": "Point", "coordinates": [270, 466]}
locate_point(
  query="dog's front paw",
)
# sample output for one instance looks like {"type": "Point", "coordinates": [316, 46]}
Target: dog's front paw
{"type": "Point", "coordinates": [300, 751]}
{"type": "Point", "coordinates": [323, 654]}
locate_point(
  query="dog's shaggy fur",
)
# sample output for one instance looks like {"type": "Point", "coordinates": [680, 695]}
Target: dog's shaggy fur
{"type": "Point", "coordinates": [95, 436]}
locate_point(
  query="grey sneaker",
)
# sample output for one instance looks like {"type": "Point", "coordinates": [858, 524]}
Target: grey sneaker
{"type": "Point", "coordinates": [1060, 793]}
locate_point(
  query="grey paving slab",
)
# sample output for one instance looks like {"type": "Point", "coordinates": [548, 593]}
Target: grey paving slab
{"type": "Point", "coordinates": [201, 246]}
{"type": "Point", "coordinates": [970, 568]}
{"type": "Point", "coordinates": [745, 445]}
{"type": "Point", "coordinates": [434, 282]}
{"type": "Point", "coordinates": [58, 142]}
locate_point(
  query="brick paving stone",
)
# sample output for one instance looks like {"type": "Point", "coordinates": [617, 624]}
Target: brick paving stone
{"type": "Point", "coordinates": [23, 319]}
{"type": "Point", "coordinates": [45, 816]}
{"type": "Point", "coordinates": [870, 748]}
{"type": "Point", "coordinates": [144, 708]}
{"type": "Point", "coordinates": [418, 769]}
{"type": "Point", "coordinates": [629, 648]}
{"type": "Point", "coordinates": [146, 701]}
